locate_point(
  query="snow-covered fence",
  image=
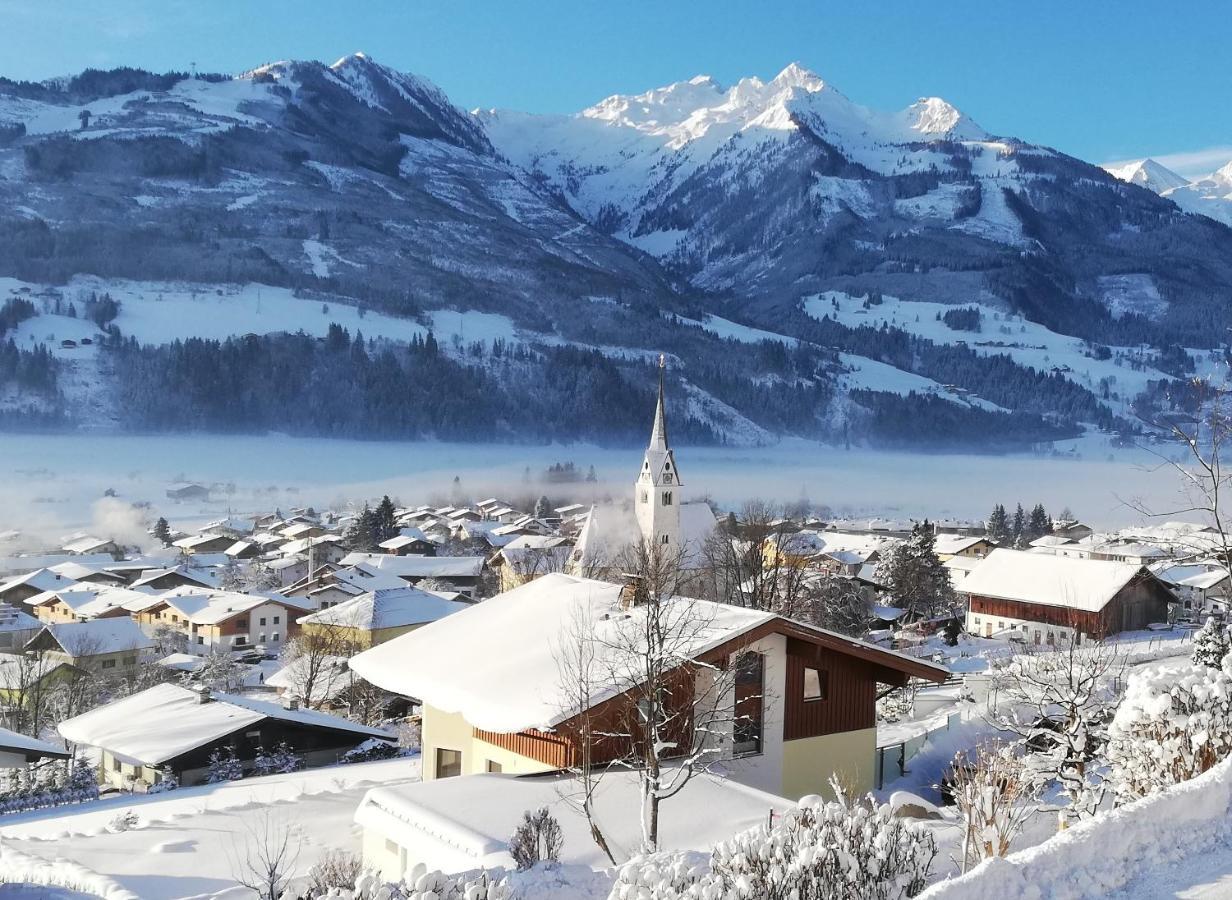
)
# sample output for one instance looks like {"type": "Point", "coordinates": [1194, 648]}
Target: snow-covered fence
{"type": "Point", "coordinates": [891, 761]}
{"type": "Point", "coordinates": [1098, 856]}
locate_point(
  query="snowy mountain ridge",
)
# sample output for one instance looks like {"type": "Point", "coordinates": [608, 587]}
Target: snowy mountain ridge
{"type": "Point", "coordinates": [696, 219]}
{"type": "Point", "coordinates": [1210, 195]}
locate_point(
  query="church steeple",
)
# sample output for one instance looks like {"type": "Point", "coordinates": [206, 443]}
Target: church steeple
{"type": "Point", "coordinates": [656, 491]}
{"type": "Point", "coordinates": [658, 434]}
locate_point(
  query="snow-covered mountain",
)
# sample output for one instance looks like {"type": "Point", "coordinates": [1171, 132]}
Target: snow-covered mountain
{"type": "Point", "coordinates": [1209, 196]}
{"type": "Point", "coordinates": [696, 219]}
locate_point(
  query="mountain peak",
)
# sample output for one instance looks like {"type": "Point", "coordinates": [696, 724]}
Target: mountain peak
{"type": "Point", "coordinates": [1149, 174]}
{"type": "Point", "coordinates": [935, 117]}
{"type": "Point", "coordinates": [795, 75]}
{"type": "Point", "coordinates": [351, 59]}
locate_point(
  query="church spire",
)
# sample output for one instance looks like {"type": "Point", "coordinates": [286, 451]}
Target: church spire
{"type": "Point", "coordinates": [658, 434]}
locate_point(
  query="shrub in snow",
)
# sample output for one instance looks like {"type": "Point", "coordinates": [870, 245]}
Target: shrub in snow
{"type": "Point", "coordinates": [123, 821]}
{"type": "Point", "coordinates": [336, 872]}
{"type": "Point", "coordinates": [1210, 644]}
{"type": "Point", "coordinates": [992, 790]}
{"type": "Point", "coordinates": [536, 840]}
{"type": "Point", "coordinates": [280, 759]}
{"type": "Point", "coordinates": [223, 767]}
{"type": "Point", "coordinates": [45, 785]}
{"type": "Point", "coordinates": [857, 851]}
{"type": "Point", "coordinates": [372, 749]}
{"type": "Point", "coordinates": [166, 782]}
{"type": "Point", "coordinates": [1173, 725]}
{"type": "Point", "coordinates": [420, 884]}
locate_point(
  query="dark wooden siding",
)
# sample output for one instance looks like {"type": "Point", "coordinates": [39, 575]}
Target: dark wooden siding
{"type": "Point", "coordinates": [851, 694]}
{"type": "Point", "coordinates": [549, 749]}
{"type": "Point", "coordinates": [1143, 600]}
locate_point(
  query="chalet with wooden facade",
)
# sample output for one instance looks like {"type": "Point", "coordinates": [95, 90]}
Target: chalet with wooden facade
{"type": "Point", "coordinates": [802, 707]}
{"type": "Point", "coordinates": [1039, 598]}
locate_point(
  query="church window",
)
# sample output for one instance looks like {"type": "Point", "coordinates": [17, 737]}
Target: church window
{"type": "Point", "coordinates": [666, 539]}
{"type": "Point", "coordinates": [667, 498]}
{"type": "Point", "coordinates": [642, 497]}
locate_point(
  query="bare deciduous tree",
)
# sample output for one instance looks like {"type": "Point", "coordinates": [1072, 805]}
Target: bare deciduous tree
{"type": "Point", "coordinates": [264, 856]}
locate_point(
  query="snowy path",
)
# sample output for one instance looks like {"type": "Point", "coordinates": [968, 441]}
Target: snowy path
{"type": "Point", "coordinates": [1207, 876]}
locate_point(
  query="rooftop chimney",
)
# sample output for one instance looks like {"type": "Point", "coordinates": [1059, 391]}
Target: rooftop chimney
{"type": "Point", "coordinates": [632, 592]}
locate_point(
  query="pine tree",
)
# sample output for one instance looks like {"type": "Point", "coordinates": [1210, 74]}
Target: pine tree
{"type": "Point", "coordinates": [914, 576]}
{"type": "Point", "coordinates": [543, 508]}
{"type": "Point", "coordinates": [1018, 528]}
{"type": "Point", "coordinates": [1037, 523]}
{"type": "Point", "coordinates": [997, 528]}
{"type": "Point", "coordinates": [361, 535]}
{"type": "Point", "coordinates": [1210, 644]}
{"type": "Point", "coordinates": [223, 767]}
{"type": "Point", "coordinates": [384, 521]}
{"type": "Point", "coordinates": [951, 632]}
{"type": "Point", "coordinates": [162, 531]}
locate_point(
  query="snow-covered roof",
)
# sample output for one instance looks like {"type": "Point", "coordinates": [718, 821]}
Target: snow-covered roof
{"type": "Point", "coordinates": [165, 721]}
{"type": "Point", "coordinates": [417, 566]}
{"type": "Point", "coordinates": [96, 636]}
{"type": "Point", "coordinates": [1049, 580]}
{"type": "Point", "coordinates": [1199, 576]}
{"type": "Point", "coordinates": [14, 619]}
{"type": "Point", "coordinates": [88, 600]}
{"type": "Point", "coordinates": [954, 543]}
{"type": "Point", "coordinates": [465, 823]}
{"type": "Point", "coordinates": [191, 573]}
{"type": "Point", "coordinates": [387, 608]}
{"type": "Point", "coordinates": [42, 579]}
{"type": "Point", "coordinates": [86, 544]}
{"type": "Point", "coordinates": [33, 748]}
{"type": "Point", "coordinates": [496, 661]}
{"type": "Point", "coordinates": [208, 607]}
{"type": "Point", "coordinates": [182, 662]}
{"type": "Point", "coordinates": [81, 572]}
{"type": "Point", "coordinates": [1052, 540]}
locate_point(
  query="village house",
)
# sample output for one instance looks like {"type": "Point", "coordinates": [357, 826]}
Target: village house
{"type": "Point", "coordinates": [85, 544]}
{"type": "Point", "coordinates": [378, 616]}
{"type": "Point", "coordinates": [409, 542]}
{"type": "Point", "coordinates": [493, 701]}
{"type": "Point", "coordinates": [175, 729]}
{"type": "Point", "coordinates": [176, 577]}
{"type": "Point", "coordinates": [107, 647]}
{"type": "Point", "coordinates": [1202, 588]}
{"type": "Point", "coordinates": [530, 556]}
{"type": "Point", "coordinates": [204, 543]}
{"type": "Point", "coordinates": [18, 750]}
{"type": "Point", "coordinates": [215, 621]}
{"type": "Point", "coordinates": [82, 601]}
{"type": "Point", "coordinates": [27, 679]}
{"type": "Point", "coordinates": [1039, 598]}
{"type": "Point", "coordinates": [947, 546]}
{"type": "Point", "coordinates": [17, 590]}
{"type": "Point", "coordinates": [462, 573]}
{"type": "Point", "coordinates": [16, 628]}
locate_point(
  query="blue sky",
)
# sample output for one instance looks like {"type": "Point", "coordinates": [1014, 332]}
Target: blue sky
{"type": "Point", "coordinates": [1102, 80]}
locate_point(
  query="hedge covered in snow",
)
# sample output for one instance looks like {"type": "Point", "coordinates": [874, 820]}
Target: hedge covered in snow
{"type": "Point", "coordinates": [1098, 856]}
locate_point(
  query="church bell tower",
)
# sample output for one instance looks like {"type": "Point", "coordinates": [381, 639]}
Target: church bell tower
{"type": "Point", "coordinates": [657, 489]}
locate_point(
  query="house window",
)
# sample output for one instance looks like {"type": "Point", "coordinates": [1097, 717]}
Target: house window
{"type": "Point", "coordinates": [816, 684]}
{"type": "Point", "coordinates": [262, 622]}
{"type": "Point", "coordinates": [750, 679]}
{"type": "Point", "coordinates": [109, 664]}
{"type": "Point", "coordinates": [261, 639]}
{"type": "Point", "coordinates": [200, 639]}
{"type": "Point", "coordinates": [275, 620]}
{"type": "Point", "coordinates": [117, 766]}
{"type": "Point", "coordinates": [274, 636]}
{"type": "Point", "coordinates": [239, 639]}
{"type": "Point", "coordinates": [495, 767]}
{"type": "Point", "coordinates": [667, 498]}
{"type": "Point", "coordinates": [448, 763]}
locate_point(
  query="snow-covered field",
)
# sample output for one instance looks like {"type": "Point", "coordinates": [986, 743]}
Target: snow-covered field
{"type": "Point", "coordinates": [184, 844]}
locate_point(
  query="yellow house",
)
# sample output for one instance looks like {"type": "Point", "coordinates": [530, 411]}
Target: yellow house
{"type": "Point", "coordinates": [378, 616]}
{"type": "Point", "coordinates": [495, 699]}
{"type": "Point", "coordinates": [106, 647]}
